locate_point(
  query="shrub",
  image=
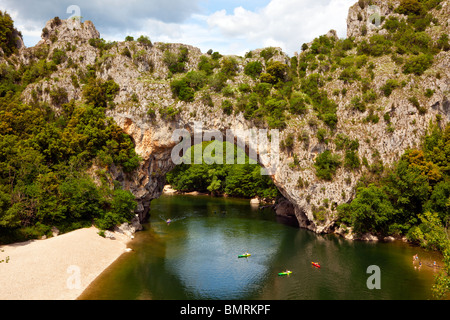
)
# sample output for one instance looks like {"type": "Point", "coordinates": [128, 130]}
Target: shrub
{"type": "Point", "coordinates": [349, 75]}
{"type": "Point", "coordinates": [144, 40]}
{"type": "Point", "coordinates": [410, 7]}
{"type": "Point", "coordinates": [99, 93]}
{"type": "Point", "coordinates": [8, 34]}
{"type": "Point", "coordinates": [358, 104]}
{"type": "Point", "coordinates": [377, 46]}
{"type": "Point", "coordinates": [351, 160]}
{"type": "Point", "coordinates": [229, 67]}
{"type": "Point", "coordinates": [126, 52]}
{"type": "Point", "coordinates": [326, 165]}
{"type": "Point", "coordinates": [227, 107]}
{"type": "Point", "coordinates": [389, 86]}
{"type": "Point", "coordinates": [263, 89]}
{"type": "Point", "coordinates": [169, 113]}
{"type": "Point", "coordinates": [218, 81]}
{"type": "Point", "coordinates": [322, 135]}
{"type": "Point", "coordinates": [267, 78]}
{"type": "Point", "coordinates": [176, 62]}
{"type": "Point", "coordinates": [277, 70]}
{"type": "Point", "coordinates": [58, 96]}
{"type": "Point", "coordinates": [253, 69]}
{"type": "Point", "coordinates": [322, 45]}
{"type": "Point", "coordinates": [59, 56]}
{"type": "Point", "coordinates": [298, 104]}
{"type": "Point", "coordinates": [443, 42]}
{"type": "Point", "coordinates": [415, 102]}
{"type": "Point", "coordinates": [182, 90]}
{"type": "Point", "coordinates": [206, 65]}
{"type": "Point", "coordinates": [418, 64]}
{"type": "Point", "coordinates": [123, 205]}
{"type": "Point", "coordinates": [268, 53]}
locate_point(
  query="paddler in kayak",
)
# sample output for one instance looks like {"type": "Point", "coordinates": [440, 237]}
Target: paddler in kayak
{"type": "Point", "coordinates": [168, 221]}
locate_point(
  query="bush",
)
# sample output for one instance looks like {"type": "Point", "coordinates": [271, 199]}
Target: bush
{"type": "Point", "coordinates": [349, 75]}
{"type": "Point", "coordinates": [58, 96]}
{"type": "Point", "coordinates": [358, 104]}
{"type": "Point", "coordinates": [123, 205]}
{"type": "Point", "coordinates": [144, 40]}
{"type": "Point", "coordinates": [298, 104]}
{"type": "Point", "coordinates": [377, 46]}
{"type": "Point", "coordinates": [268, 53]}
{"type": "Point", "coordinates": [389, 86]}
{"type": "Point", "coordinates": [277, 70]}
{"type": "Point", "coordinates": [418, 64]}
{"type": "Point", "coordinates": [253, 69]}
{"type": "Point", "coordinates": [229, 67]}
{"type": "Point", "coordinates": [8, 34]}
{"type": "Point", "coordinates": [326, 165]}
{"type": "Point", "coordinates": [182, 90]}
{"type": "Point", "coordinates": [59, 56]}
{"type": "Point", "coordinates": [206, 65]}
{"type": "Point", "coordinates": [218, 81]}
{"type": "Point", "coordinates": [227, 107]}
{"type": "Point", "coordinates": [351, 160]}
{"type": "Point", "coordinates": [410, 7]}
{"type": "Point", "coordinates": [99, 93]}
{"type": "Point", "coordinates": [176, 62]}
{"type": "Point", "coordinates": [370, 211]}
{"type": "Point", "coordinates": [443, 42]}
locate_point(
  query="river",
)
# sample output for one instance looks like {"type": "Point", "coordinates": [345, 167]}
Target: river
{"type": "Point", "coordinates": [196, 258]}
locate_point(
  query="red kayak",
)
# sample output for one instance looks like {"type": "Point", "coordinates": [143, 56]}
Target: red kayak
{"type": "Point", "coordinates": [315, 264]}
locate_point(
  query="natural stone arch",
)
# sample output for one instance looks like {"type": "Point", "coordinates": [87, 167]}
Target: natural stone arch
{"type": "Point", "coordinates": [155, 144]}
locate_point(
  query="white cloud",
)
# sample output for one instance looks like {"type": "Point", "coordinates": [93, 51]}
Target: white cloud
{"type": "Point", "coordinates": [280, 23]}
{"type": "Point", "coordinates": [284, 23]}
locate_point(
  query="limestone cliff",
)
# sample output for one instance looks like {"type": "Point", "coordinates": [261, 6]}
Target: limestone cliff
{"type": "Point", "coordinates": [144, 79]}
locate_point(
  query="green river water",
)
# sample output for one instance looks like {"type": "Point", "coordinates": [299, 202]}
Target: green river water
{"type": "Point", "coordinates": [196, 258]}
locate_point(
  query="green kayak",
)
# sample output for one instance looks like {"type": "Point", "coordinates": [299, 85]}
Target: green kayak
{"type": "Point", "coordinates": [287, 273]}
{"type": "Point", "coordinates": [244, 255]}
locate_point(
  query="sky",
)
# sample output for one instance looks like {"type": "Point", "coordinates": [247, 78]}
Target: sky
{"type": "Point", "coordinates": [229, 27]}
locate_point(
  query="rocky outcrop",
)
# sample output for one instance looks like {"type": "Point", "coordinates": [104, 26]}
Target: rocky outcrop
{"type": "Point", "coordinates": [144, 81]}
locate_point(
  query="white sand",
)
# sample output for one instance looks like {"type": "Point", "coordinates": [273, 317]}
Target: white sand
{"type": "Point", "coordinates": [59, 268]}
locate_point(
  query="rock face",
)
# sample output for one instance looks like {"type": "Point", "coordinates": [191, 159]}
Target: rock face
{"type": "Point", "coordinates": [144, 81]}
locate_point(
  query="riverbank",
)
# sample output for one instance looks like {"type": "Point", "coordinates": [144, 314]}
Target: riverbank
{"type": "Point", "coordinates": [59, 268]}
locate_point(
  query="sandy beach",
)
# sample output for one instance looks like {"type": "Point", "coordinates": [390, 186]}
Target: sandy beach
{"type": "Point", "coordinates": [59, 268]}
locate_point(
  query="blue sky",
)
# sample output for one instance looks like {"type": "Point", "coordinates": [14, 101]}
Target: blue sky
{"type": "Point", "coordinates": [230, 27]}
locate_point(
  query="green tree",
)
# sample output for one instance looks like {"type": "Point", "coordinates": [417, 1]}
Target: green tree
{"type": "Point", "coordinates": [326, 165]}
{"type": "Point", "coordinates": [371, 211]}
{"type": "Point", "coordinates": [8, 34]}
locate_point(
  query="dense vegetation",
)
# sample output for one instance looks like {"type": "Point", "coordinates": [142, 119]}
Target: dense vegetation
{"type": "Point", "coordinates": [47, 150]}
{"type": "Point", "coordinates": [8, 34]}
{"type": "Point", "coordinates": [45, 157]}
{"type": "Point", "coordinates": [237, 180]}
{"type": "Point", "coordinates": [410, 199]}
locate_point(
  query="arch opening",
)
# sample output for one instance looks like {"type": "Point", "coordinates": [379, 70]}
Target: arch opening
{"type": "Point", "coordinates": [233, 161]}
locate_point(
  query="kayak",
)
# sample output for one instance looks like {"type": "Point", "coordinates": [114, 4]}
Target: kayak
{"type": "Point", "coordinates": [287, 273]}
{"type": "Point", "coordinates": [315, 264]}
{"type": "Point", "coordinates": [244, 255]}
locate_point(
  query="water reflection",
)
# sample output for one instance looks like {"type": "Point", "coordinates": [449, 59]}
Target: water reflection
{"type": "Point", "coordinates": [197, 258]}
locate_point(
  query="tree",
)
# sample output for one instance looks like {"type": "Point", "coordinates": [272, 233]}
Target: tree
{"type": "Point", "coordinates": [144, 40]}
{"type": "Point", "coordinates": [418, 64]}
{"type": "Point", "coordinates": [326, 165]}
{"type": "Point", "coordinates": [370, 212]}
{"type": "Point", "coordinates": [410, 7]}
{"type": "Point", "coordinates": [253, 69]}
{"type": "Point", "coordinates": [99, 93]}
{"type": "Point", "coordinates": [8, 34]}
